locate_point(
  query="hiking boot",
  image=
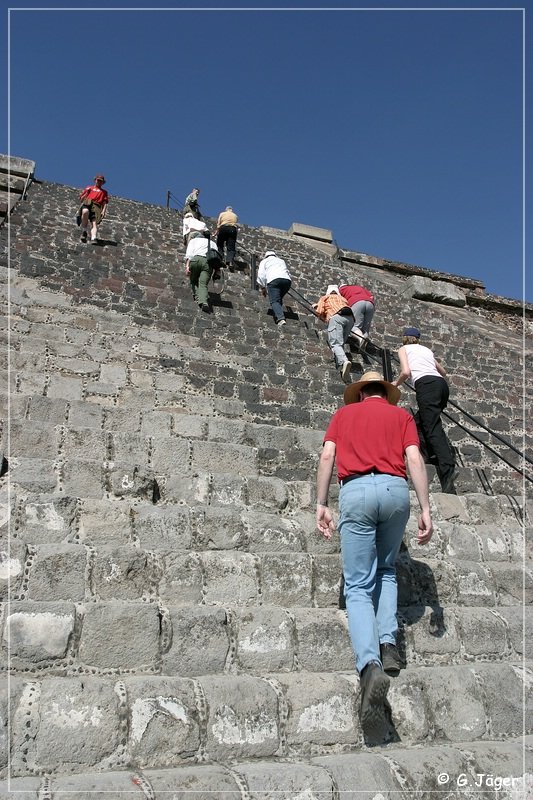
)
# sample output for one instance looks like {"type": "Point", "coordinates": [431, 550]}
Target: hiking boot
{"type": "Point", "coordinates": [374, 687]}
{"type": "Point", "coordinates": [390, 657]}
{"type": "Point", "coordinates": [205, 307]}
{"type": "Point", "coordinates": [345, 371]}
{"type": "Point", "coordinates": [83, 237]}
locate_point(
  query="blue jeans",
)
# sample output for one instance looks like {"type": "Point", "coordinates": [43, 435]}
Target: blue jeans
{"type": "Point", "coordinates": [277, 289]}
{"type": "Point", "coordinates": [374, 510]}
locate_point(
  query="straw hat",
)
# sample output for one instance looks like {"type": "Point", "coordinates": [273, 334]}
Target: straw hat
{"type": "Point", "coordinates": [352, 393]}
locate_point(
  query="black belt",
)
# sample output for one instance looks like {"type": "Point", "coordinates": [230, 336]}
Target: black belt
{"type": "Point", "coordinates": [360, 475]}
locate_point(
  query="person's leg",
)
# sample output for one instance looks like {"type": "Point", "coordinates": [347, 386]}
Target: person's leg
{"type": "Point", "coordinates": [432, 396]}
{"type": "Point", "coordinates": [394, 509]}
{"type": "Point", "coordinates": [221, 240]}
{"type": "Point", "coordinates": [368, 316]}
{"type": "Point", "coordinates": [274, 295]}
{"type": "Point", "coordinates": [358, 311]}
{"type": "Point", "coordinates": [358, 512]}
{"type": "Point", "coordinates": [195, 267]}
{"type": "Point", "coordinates": [231, 244]}
{"type": "Point", "coordinates": [336, 338]}
{"type": "Point", "coordinates": [203, 279]}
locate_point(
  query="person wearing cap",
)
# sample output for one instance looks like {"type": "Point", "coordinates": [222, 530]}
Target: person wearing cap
{"type": "Point", "coordinates": [93, 208]}
{"type": "Point", "coordinates": [226, 233]}
{"type": "Point", "coordinates": [273, 278]}
{"type": "Point", "coordinates": [419, 365]}
{"type": "Point", "coordinates": [191, 204]}
{"type": "Point", "coordinates": [200, 269]}
{"type": "Point", "coordinates": [362, 303]}
{"type": "Point", "coordinates": [192, 227]}
{"type": "Point", "coordinates": [371, 440]}
{"type": "Point", "coordinates": [333, 309]}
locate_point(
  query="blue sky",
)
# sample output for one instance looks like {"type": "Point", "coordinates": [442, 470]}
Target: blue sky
{"type": "Point", "coordinates": [399, 130]}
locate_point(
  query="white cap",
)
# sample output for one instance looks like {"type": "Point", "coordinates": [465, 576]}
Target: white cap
{"type": "Point", "coordinates": [332, 288]}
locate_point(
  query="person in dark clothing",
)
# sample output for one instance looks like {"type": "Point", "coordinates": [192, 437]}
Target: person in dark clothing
{"type": "Point", "coordinates": [428, 377]}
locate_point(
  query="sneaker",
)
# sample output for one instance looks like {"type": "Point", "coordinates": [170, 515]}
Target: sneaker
{"type": "Point", "coordinates": [390, 657]}
{"type": "Point", "coordinates": [374, 687]}
{"type": "Point", "coordinates": [205, 307]}
{"type": "Point", "coordinates": [83, 236]}
{"type": "Point", "coordinates": [345, 371]}
{"type": "Point", "coordinates": [281, 322]}
{"type": "Point", "coordinates": [94, 240]}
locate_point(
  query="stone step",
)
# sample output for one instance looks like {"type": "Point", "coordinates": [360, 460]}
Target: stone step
{"type": "Point", "coordinates": [484, 769]}
{"type": "Point", "coordinates": [156, 721]}
{"type": "Point", "coordinates": [188, 629]}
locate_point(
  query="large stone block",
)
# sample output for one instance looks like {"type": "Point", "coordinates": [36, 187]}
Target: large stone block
{"type": "Point", "coordinates": [105, 522]}
{"type": "Point", "coordinates": [34, 474]}
{"type": "Point", "coordinates": [455, 703]}
{"type": "Point", "coordinates": [327, 573]}
{"type": "Point", "coordinates": [371, 774]}
{"type": "Point", "coordinates": [286, 579]}
{"type": "Point", "coordinates": [132, 480]}
{"type": "Point", "coordinates": [170, 455]}
{"type": "Point", "coordinates": [164, 728]}
{"type": "Point", "coordinates": [199, 782]}
{"type": "Point", "coordinates": [79, 723]}
{"type": "Point", "coordinates": [33, 440]}
{"type": "Point", "coordinates": [265, 640]}
{"type": "Point", "coordinates": [508, 698]}
{"type": "Point", "coordinates": [182, 581]}
{"type": "Point", "coordinates": [97, 786]}
{"type": "Point", "coordinates": [199, 643]}
{"type": "Point", "coordinates": [124, 573]}
{"type": "Point", "coordinates": [321, 711]}
{"type": "Point", "coordinates": [83, 478]}
{"type": "Point", "coordinates": [163, 527]}
{"type": "Point", "coordinates": [267, 493]}
{"type": "Point", "coordinates": [230, 578]}
{"type": "Point", "coordinates": [130, 448]}
{"type": "Point", "coordinates": [37, 632]}
{"type": "Point", "coordinates": [268, 781]}
{"type": "Point", "coordinates": [86, 443]}
{"type": "Point", "coordinates": [513, 583]}
{"type": "Point", "coordinates": [435, 291]}
{"type": "Point", "coordinates": [430, 632]}
{"type": "Point", "coordinates": [227, 458]}
{"type": "Point", "coordinates": [47, 519]}
{"type": "Point", "coordinates": [483, 632]}
{"type": "Point", "coordinates": [218, 529]}
{"type": "Point", "coordinates": [323, 640]}
{"type": "Point", "coordinates": [272, 533]}
{"type": "Point", "coordinates": [409, 713]}
{"type": "Point", "coordinates": [120, 635]}
{"type": "Point", "coordinates": [58, 572]}
{"type": "Point", "coordinates": [243, 718]}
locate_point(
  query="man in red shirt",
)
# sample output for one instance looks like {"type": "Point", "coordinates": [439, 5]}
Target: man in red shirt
{"type": "Point", "coordinates": [370, 438]}
{"type": "Point", "coordinates": [362, 303]}
{"type": "Point", "coordinates": [93, 207]}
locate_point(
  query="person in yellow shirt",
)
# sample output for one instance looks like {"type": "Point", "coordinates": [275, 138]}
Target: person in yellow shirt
{"type": "Point", "coordinates": [333, 309]}
{"type": "Point", "coordinates": [226, 234]}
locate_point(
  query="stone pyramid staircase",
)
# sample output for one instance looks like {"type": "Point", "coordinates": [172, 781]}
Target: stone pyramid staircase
{"type": "Point", "coordinates": [170, 625]}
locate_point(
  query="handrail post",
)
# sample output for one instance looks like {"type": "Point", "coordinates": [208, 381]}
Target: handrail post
{"type": "Point", "coordinates": [386, 363]}
{"type": "Point", "coordinates": [253, 271]}
{"type": "Point", "coordinates": [168, 199]}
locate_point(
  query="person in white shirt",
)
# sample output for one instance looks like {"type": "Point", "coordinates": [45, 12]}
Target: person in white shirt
{"type": "Point", "coordinates": [428, 377]}
{"type": "Point", "coordinates": [274, 278]}
{"type": "Point", "coordinates": [199, 268]}
{"type": "Point", "coordinates": [192, 227]}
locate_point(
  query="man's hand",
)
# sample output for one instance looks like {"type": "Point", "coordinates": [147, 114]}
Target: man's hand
{"type": "Point", "coordinates": [324, 521]}
{"type": "Point", "coordinates": [425, 527]}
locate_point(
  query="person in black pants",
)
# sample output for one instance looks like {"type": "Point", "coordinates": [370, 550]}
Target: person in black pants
{"type": "Point", "coordinates": [418, 364]}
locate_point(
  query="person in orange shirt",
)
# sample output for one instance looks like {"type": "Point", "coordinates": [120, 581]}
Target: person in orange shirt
{"type": "Point", "coordinates": [333, 309]}
{"type": "Point", "coordinates": [93, 209]}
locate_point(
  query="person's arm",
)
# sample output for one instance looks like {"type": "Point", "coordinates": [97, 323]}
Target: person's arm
{"type": "Point", "coordinates": [261, 278]}
{"type": "Point", "coordinates": [405, 371]}
{"type": "Point", "coordinates": [419, 478]}
{"type": "Point", "coordinates": [440, 369]}
{"type": "Point", "coordinates": [324, 518]}
{"type": "Point", "coordinates": [187, 266]}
